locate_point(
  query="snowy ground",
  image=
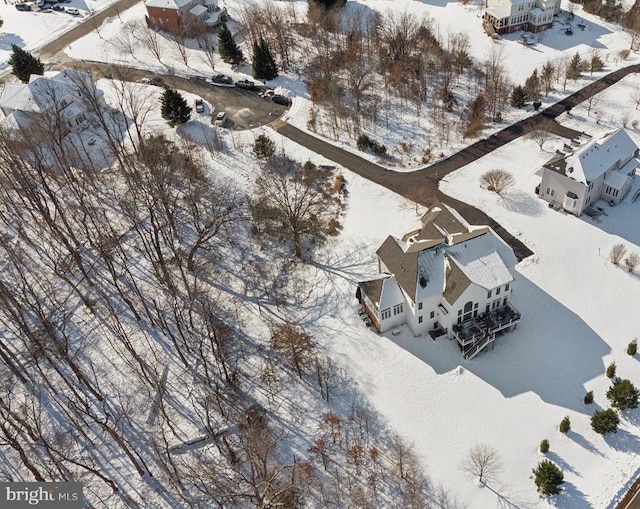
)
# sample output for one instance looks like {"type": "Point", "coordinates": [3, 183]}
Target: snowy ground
{"type": "Point", "coordinates": [516, 395]}
{"type": "Point", "coordinates": [30, 30]}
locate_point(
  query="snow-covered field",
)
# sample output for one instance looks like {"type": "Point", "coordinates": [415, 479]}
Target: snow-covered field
{"type": "Point", "coordinates": [578, 309]}
{"type": "Point", "coordinates": [577, 318]}
{"type": "Point", "coordinates": [30, 30]}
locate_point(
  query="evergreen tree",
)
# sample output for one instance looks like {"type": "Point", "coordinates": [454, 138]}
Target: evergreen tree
{"type": "Point", "coordinates": [574, 69]}
{"type": "Point", "coordinates": [24, 64]}
{"type": "Point", "coordinates": [623, 394]}
{"type": "Point", "coordinates": [547, 77]}
{"type": "Point", "coordinates": [632, 348]}
{"type": "Point", "coordinates": [229, 50]}
{"type": "Point", "coordinates": [597, 64]}
{"type": "Point", "coordinates": [476, 116]}
{"type": "Point", "coordinates": [174, 107]}
{"type": "Point", "coordinates": [565, 425]}
{"type": "Point", "coordinates": [328, 4]}
{"type": "Point", "coordinates": [548, 478]}
{"type": "Point", "coordinates": [605, 421]}
{"type": "Point", "coordinates": [518, 97]}
{"type": "Point", "coordinates": [264, 147]}
{"type": "Point", "coordinates": [532, 86]}
{"type": "Point", "coordinates": [264, 66]}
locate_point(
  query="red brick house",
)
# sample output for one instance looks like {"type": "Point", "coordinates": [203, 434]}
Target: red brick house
{"type": "Point", "coordinates": [174, 15]}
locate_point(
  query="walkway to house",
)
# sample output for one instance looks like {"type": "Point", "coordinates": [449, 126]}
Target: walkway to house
{"type": "Point", "coordinates": [421, 185]}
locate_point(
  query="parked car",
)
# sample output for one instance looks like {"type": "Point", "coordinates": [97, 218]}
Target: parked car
{"type": "Point", "coordinates": [144, 81]}
{"type": "Point", "coordinates": [268, 93]}
{"type": "Point", "coordinates": [73, 11]}
{"type": "Point", "coordinates": [221, 118]}
{"type": "Point", "coordinates": [199, 105]}
{"type": "Point", "coordinates": [23, 7]}
{"type": "Point", "coordinates": [280, 99]}
{"type": "Point", "coordinates": [222, 79]}
{"type": "Point", "coordinates": [156, 81]}
{"type": "Point", "coordinates": [246, 84]}
{"type": "Point", "coordinates": [57, 7]}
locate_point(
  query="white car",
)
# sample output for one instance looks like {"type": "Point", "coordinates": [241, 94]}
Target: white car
{"type": "Point", "coordinates": [221, 118]}
{"type": "Point", "coordinates": [73, 11]}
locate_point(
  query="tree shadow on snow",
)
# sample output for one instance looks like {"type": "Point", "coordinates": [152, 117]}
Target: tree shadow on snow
{"type": "Point", "coordinates": [582, 441]}
{"type": "Point", "coordinates": [552, 456]}
{"type": "Point", "coordinates": [523, 203]}
{"type": "Point", "coordinates": [570, 497]}
{"type": "Point", "coordinates": [623, 441]}
{"type": "Point", "coordinates": [552, 353]}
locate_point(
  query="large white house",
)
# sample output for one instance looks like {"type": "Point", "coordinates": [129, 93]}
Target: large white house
{"type": "Point", "coordinates": [602, 169]}
{"type": "Point", "coordinates": [508, 16]}
{"type": "Point", "coordinates": [447, 276]}
{"type": "Point", "coordinates": [59, 94]}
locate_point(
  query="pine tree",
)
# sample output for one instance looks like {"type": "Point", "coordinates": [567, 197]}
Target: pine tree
{"type": "Point", "coordinates": [548, 478]}
{"type": "Point", "coordinates": [574, 69]}
{"type": "Point", "coordinates": [264, 66]}
{"type": "Point", "coordinates": [605, 421]}
{"type": "Point", "coordinates": [565, 425]}
{"type": "Point", "coordinates": [518, 97]}
{"type": "Point", "coordinates": [24, 64]}
{"type": "Point", "coordinates": [328, 4]}
{"type": "Point", "coordinates": [229, 50]}
{"type": "Point", "coordinates": [547, 77]}
{"type": "Point", "coordinates": [174, 107]}
{"type": "Point", "coordinates": [264, 147]}
{"type": "Point", "coordinates": [623, 394]}
{"type": "Point", "coordinates": [532, 86]}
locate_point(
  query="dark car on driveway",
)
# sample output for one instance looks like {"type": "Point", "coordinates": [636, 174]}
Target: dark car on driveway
{"type": "Point", "coordinates": [199, 105]}
{"type": "Point", "coordinates": [222, 79]}
{"type": "Point", "coordinates": [246, 84]}
{"type": "Point", "coordinates": [156, 81]}
{"type": "Point", "coordinates": [280, 99]}
{"type": "Point", "coordinates": [23, 7]}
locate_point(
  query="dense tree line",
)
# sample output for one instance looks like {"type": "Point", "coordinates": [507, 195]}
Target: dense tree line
{"type": "Point", "coordinates": [127, 363]}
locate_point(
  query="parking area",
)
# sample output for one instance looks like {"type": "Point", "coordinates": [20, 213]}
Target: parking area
{"type": "Point", "coordinates": [245, 109]}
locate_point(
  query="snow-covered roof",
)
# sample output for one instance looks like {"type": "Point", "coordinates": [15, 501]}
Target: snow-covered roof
{"type": "Point", "coordinates": [391, 293]}
{"type": "Point", "coordinates": [430, 275]}
{"type": "Point", "coordinates": [484, 260]}
{"type": "Point", "coordinates": [589, 162]}
{"type": "Point", "coordinates": [198, 10]}
{"type": "Point", "coordinates": [167, 4]}
{"type": "Point", "coordinates": [499, 12]}
{"type": "Point", "coordinates": [617, 179]}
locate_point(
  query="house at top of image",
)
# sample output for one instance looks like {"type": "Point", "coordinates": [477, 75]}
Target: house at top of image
{"type": "Point", "coordinates": [602, 169]}
{"type": "Point", "coordinates": [56, 94]}
{"type": "Point", "coordinates": [176, 16]}
{"type": "Point", "coordinates": [447, 278]}
{"type": "Point", "coordinates": [507, 16]}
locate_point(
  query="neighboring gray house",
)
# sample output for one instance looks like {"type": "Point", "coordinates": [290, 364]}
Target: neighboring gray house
{"type": "Point", "coordinates": [58, 94]}
{"type": "Point", "coordinates": [602, 169]}
{"type": "Point", "coordinates": [446, 278]}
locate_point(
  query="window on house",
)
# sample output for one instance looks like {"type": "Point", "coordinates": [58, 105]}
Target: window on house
{"type": "Point", "coordinates": [553, 192]}
{"type": "Point", "coordinates": [419, 305]}
{"type": "Point", "coordinates": [467, 310]}
{"type": "Point", "coordinates": [397, 309]}
{"type": "Point", "coordinates": [385, 314]}
{"type": "Point", "coordinates": [498, 291]}
{"type": "Point", "coordinates": [432, 314]}
{"type": "Point", "coordinates": [459, 312]}
{"type": "Point", "coordinates": [419, 319]}
{"type": "Point", "coordinates": [506, 287]}
{"type": "Point", "coordinates": [504, 302]}
{"type": "Point", "coordinates": [489, 294]}
{"type": "Point", "coordinates": [487, 309]}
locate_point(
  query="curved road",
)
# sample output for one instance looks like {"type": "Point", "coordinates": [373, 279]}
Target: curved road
{"type": "Point", "coordinates": [422, 185]}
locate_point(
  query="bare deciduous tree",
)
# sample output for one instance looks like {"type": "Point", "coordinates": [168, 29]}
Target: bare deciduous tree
{"type": "Point", "coordinates": [496, 180]}
{"type": "Point", "coordinates": [482, 461]}
{"type": "Point", "coordinates": [617, 253]}
{"type": "Point", "coordinates": [632, 261]}
{"type": "Point", "coordinates": [294, 200]}
{"type": "Point", "coordinates": [295, 345]}
{"type": "Point", "coordinates": [540, 136]}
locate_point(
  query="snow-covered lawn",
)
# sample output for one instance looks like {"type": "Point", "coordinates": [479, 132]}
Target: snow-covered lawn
{"type": "Point", "coordinates": [577, 318]}
{"type": "Point", "coordinates": [30, 30]}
